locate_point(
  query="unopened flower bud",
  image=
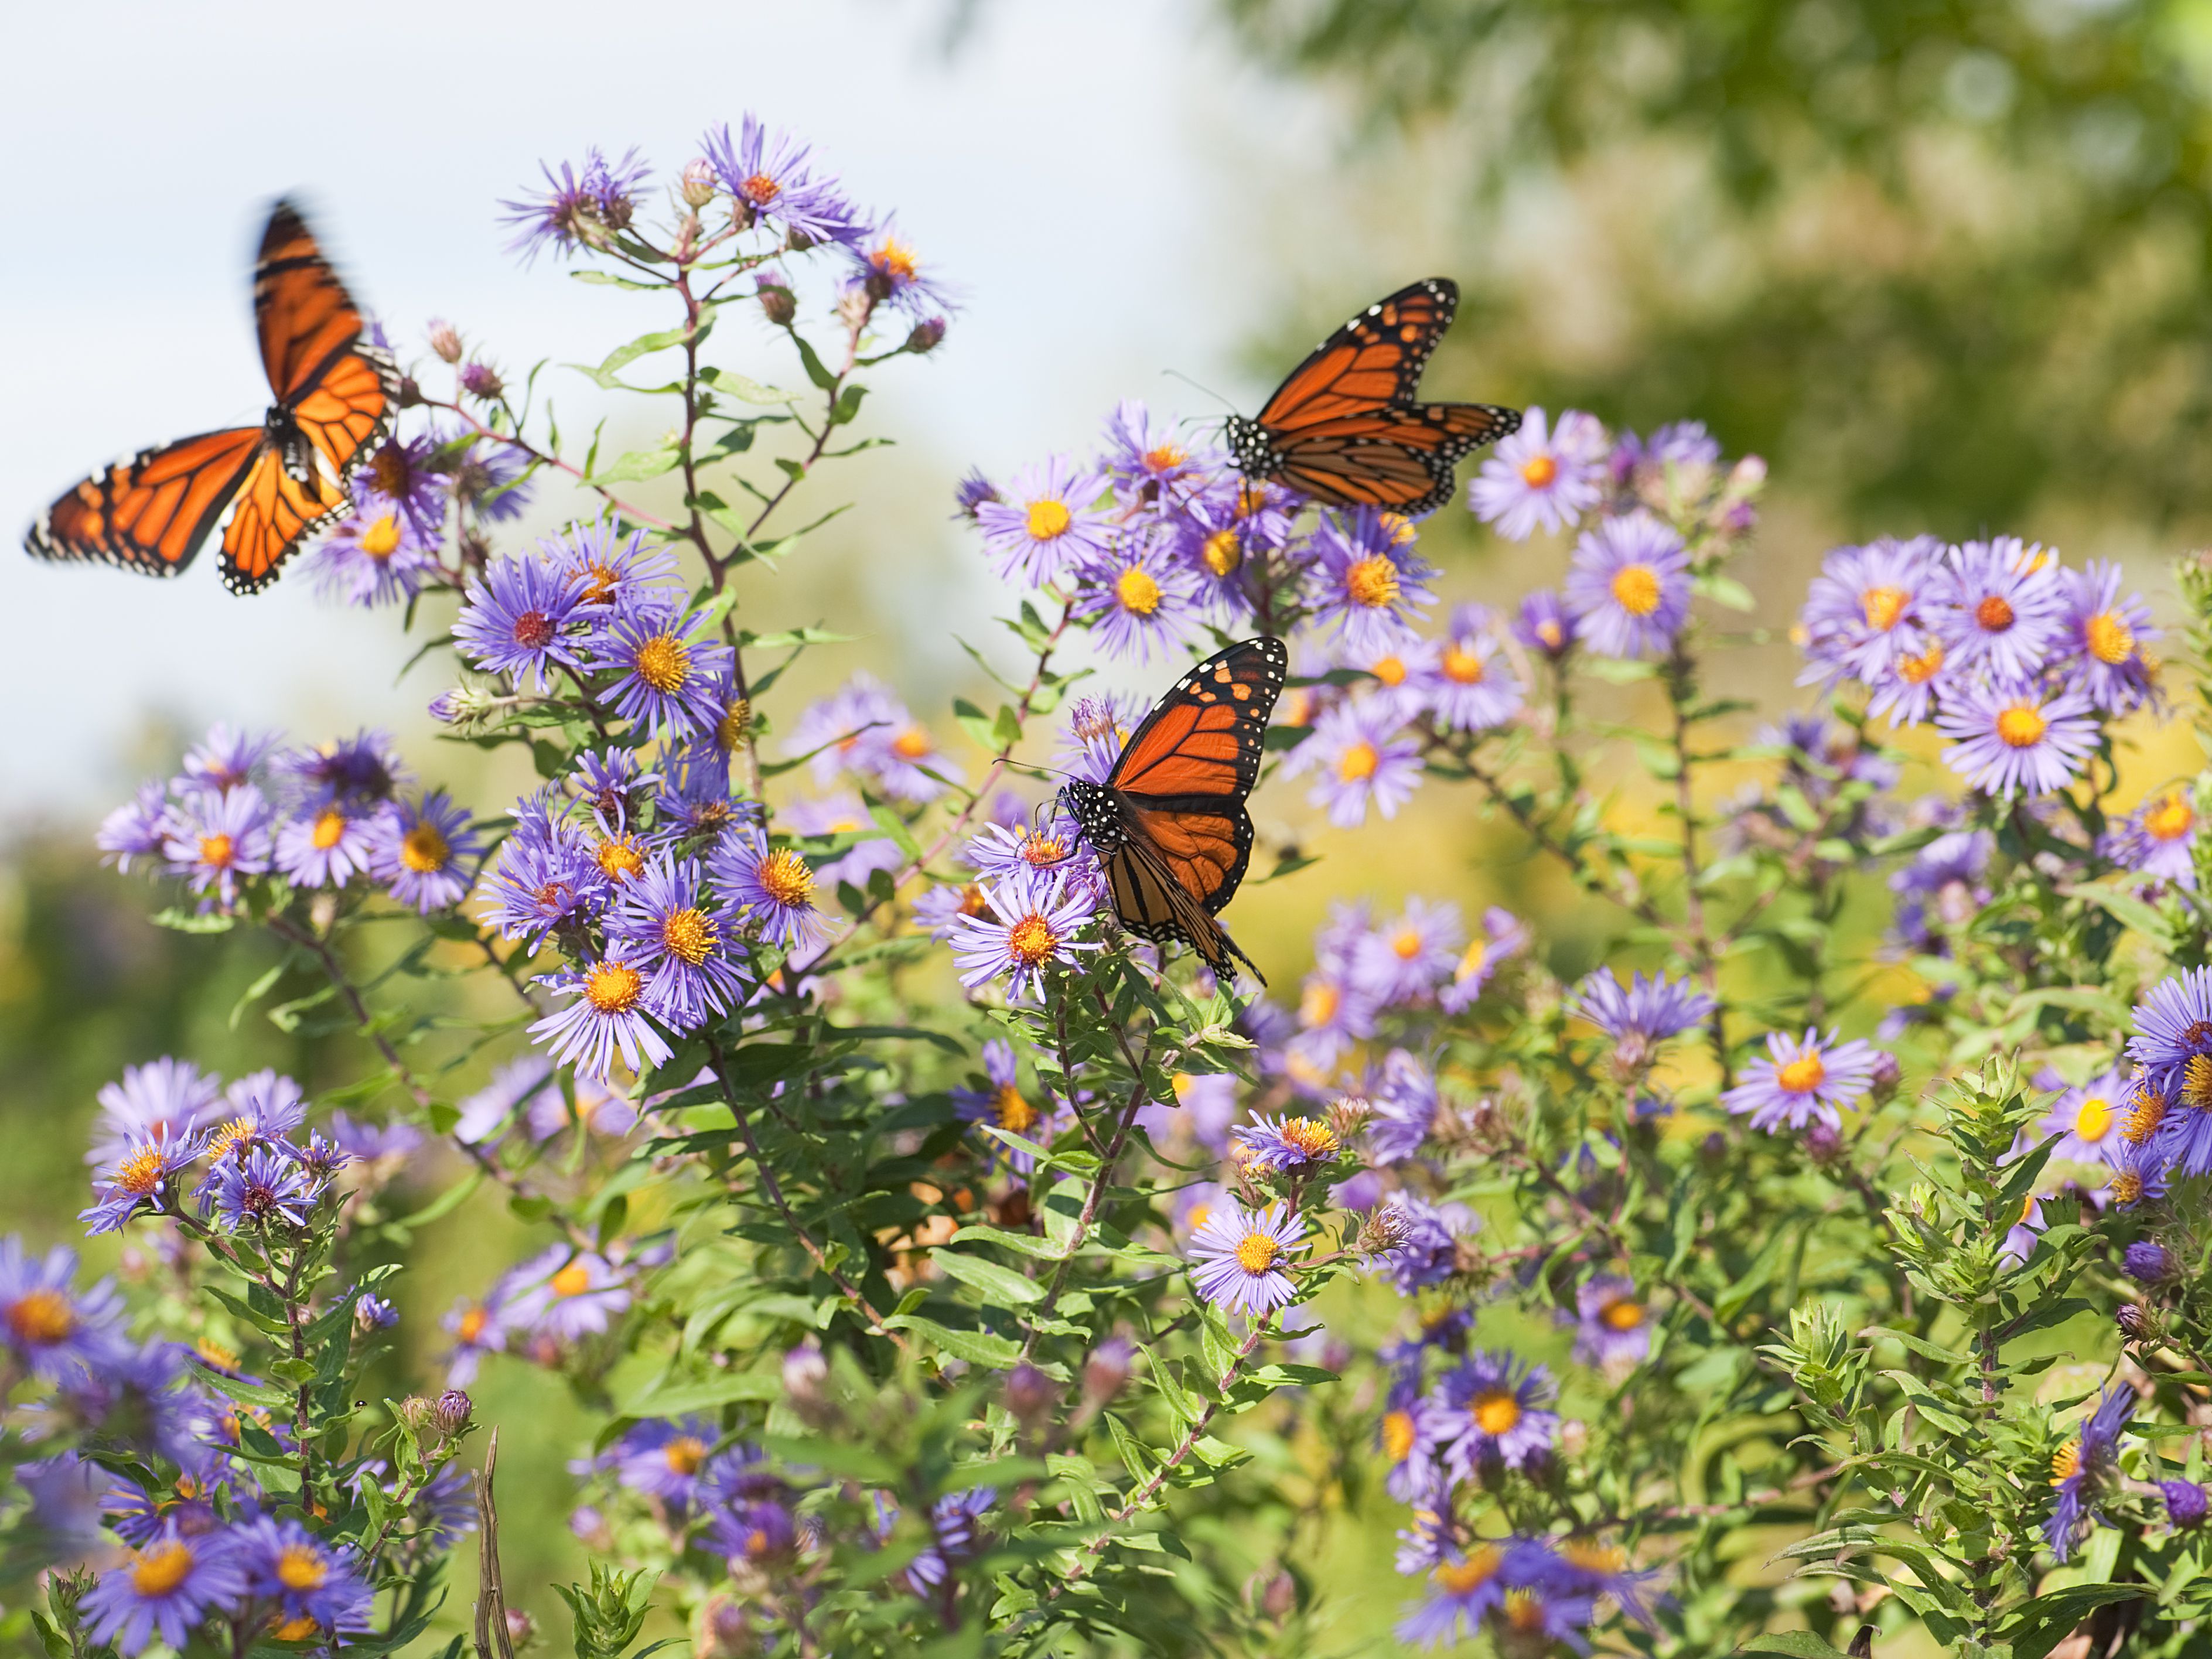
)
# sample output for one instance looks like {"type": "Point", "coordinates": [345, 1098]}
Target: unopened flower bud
{"type": "Point", "coordinates": [1280, 1599]}
{"type": "Point", "coordinates": [778, 302]}
{"type": "Point", "coordinates": [2133, 1323]}
{"type": "Point", "coordinates": [1574, 1436]}
{"type": "Point", "coordinates": [2149, 1262]}
{"type": "Point", "coordinates": [698, 186]}
{"type": "Point", "coordinates": [452, 1412]}
{"type": "Point", "coordinates": [1382, 1231]}
{"type": "Point", "coordinates": [927, 336]}
{"type": "Point", "coordinates": [410, 393]}
{"type": "Point", "coordinates": [1030, 1396]}
{"type": "Point", "coordinates": [1106, 1370]}
{"type": "Point", "coordinates": [1823, 1142]}
{"type": "Point", "coordinates": [590, 1526]}
{"type": "Point", "coordinates": [2185, 1502]}
{"type": "Point", "coordinates": [481, 380]}
{"type": "Point", "coordinates": [854, 307]}
{"type": "Point", "coordinates": [724, 1632]}
{"type": "Point", "coordinates": [521, 1629]}
{"type": "Point", "coordinates": [1348, 1115]}
{"type": "Point", "coordinates": [417, 1414]}
{"type": "Point", "coordinates": [804, 1371]}
{"type": "Point", "coordinates": [1714, 1147]}
{"type": "Point", "coordinates": [445, 341]}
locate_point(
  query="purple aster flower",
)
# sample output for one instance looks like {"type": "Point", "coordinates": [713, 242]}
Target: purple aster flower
{"type": "Point", "coordinates": [361, 770]}
{"type": "Point", "coordinates": [311, 1582]}
{"type": "Point", "coordinates": [577, 208]}
{"type": "Point", "coordinates": [2000, 609]}
{"type": "Point", "coordinates": [517, 617]}
{"type": "Point", "coordinates": [971, 492]}
{"type": "Point", "coordinates": [1467, 1585]}
{"type": "Point", "coordinates": [327, 846]}
{"type": "Point", "coordinates": [486, 1113]}
{"type": "Point", "coordinates": [65, 1492]}
{"type": "Point", "coordinates": [1048, 521]}
{"type": "Point", "coordinates": [1590, 1568]}
{"type": "Point", "coordinates": [376, 556]}
{"type": "Point", "coordinates": [141, 1176]}
{"type": "Point", "coordinates": [1405, 960]}
{"type": "Point", "coordinates": [1429, 1234]}
{"type": "Point", "coordinates": [1137, 598]}
{"type": "Point", "coordinates": [1628, 586]}
{"type": "Point", "coordinates": [1402, 1437]}
{"type": "Point", "coordinates": [1544, 626]}
{"type": "Point", "coordinates": [769, 175]}
{"type": "Point", "coordinates": [265, 1187]}
{"type": "Point", "coordinates": [1489, 1411]}
{"type": "Point", "coordinates": [1541, 1614]}
{"type": "Point", "coordinates": [51, 1329]}
{"type": "Point", "coordinates": [2173, 1028]}
{"type": "Point", "coordinates": [1503, 936]}
{"type": "Point", "coordinates": [1944, 876]}
{"type": "Point", "coordinates": [2158, 839]}
{"type": "Point", "coordinates": [2105, 635]}
{"type": "Point", "coordinates": [1803, 1081]}
{"type": "Point", "coordinates": [1470, 687]}
{"type": "Point", "coordinates": [137, 829]}
{"type": "Point", "coordinates": [1022, 849]}
{"type": "Point", "coordinates": [597, 1110]}
{"type": "Point", "coordinates": [1641, 1015]}
{"type": "Point", "coordinates": [952, 1525]}
{"type": "Point", "coordinates": [610, 784]}
{"type": "Point", "coordinates": [1918, 677]}
{"type": "Point", "coordinates": [1000, 1104]}
{"type": "Point", "coordinates": [693, 801]}
{"type": "Point", "coordinates": [477, 1329]}
{"type": "Point", "coordinates": [372, 1312]}
{"type": "Point", "coordinates": [1404, 1096]}
{"type": "Point", "coordinates": [2185, 1504]}
{"type": "Point", "coordinates": [663, 1459]}
{"type": "Point", "coordinates": [617, 571]}
{"type": "Point", "coordinates": [2141, 1172]}
{"type": "Point", "coordinates": [1359, 757]}
{"type": "Point", "coordinates": [164, 1097]}
{"type": "Point", "coordinates": [1284, 1145]}
{"type": "Point", "coordinates": [937, 910]}
{"type": "Point", "coordinates": [843, 814]}
{"type": "Point", "coordinates": [2019, 741]}
{"type": "Point", "coordinates": [681, 936]}
{"type": "Point", "coordinates": [212, 839]}
{"type": "Point", "coordinates": [164, 1589]}
{"type": "Point", "coordinates": [2083, 1471]}
{"type": "Point", "coordinates": [668, 668]}
{"type": "Point", "coordinates": [1612, 1326]}
{"type": "Point", "coordinates": [1031, 925]}
{"type": "Point", "coordinates": [1217, 545]}
{"type": "Point", "coordinates": [889, 272]}
{"type": "Point", "coordinates": [1148, 456]}
{"type": "Point", "coordinates": [607, 1017]}
{"type": "Point", "coordinates": [1541, 476]}
{"type": "Point", "coordinates": [1235, 1257]}
{"type": "Point", "coordinates": [1097, 727]}
{"type": "Point", "coordinates": [2088, 1119]}
{"type": "Point", "coordinates": [566, 1294]}
{"type": "Point", "coordinates": [847, 728]}
{"type": "Point", "coordinates": [547, 876]}
{"type": "Point", "coordinates": [228, 758]}
{"type": "Point", "coordinates": [774, 888]}
{"type": "Point", "coordinates": [1366, 579]}
{"type": "Point", "coordinates": [418, 851]}
{"type": "Point", "coordinates": [488, 476]}
{"type": "Point", "coordinates": [1864, 602]}
{"type": "Point", "coordinates": [758, 1533]}
{"type": "Point", "coordinates": [1680, 443]}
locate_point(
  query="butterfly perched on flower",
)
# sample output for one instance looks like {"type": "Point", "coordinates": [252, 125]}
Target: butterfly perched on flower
{"type": "Point", "coordinates": [271, 486]}
{"type": "Point", "coordinates": [1168, 822]}
{"type": "Point", "coordinates": [1347, 428]}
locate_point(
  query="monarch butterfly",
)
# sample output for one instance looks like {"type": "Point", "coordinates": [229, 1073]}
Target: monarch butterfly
{"type": "Point", "coordinates": [1169, 820]}
{"type": "Point", "coordinates": [278, 483]}
{"type": "Point", "coordinates": [1347, 429]}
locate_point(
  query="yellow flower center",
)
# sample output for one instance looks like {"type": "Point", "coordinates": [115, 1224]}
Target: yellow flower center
{"type": "Point", "coordinates": [329, 827]}
{"type": "Point", "coordinates": [2143, 1118]}
{"type": "Point", "coordinates": [1462, 667]}
{"type": "Point", "coordinates": [1031, 940]}
{"type": "Point", "coordinates": [217, 851]}
{"type": "Point", "coordinates": [685, 1453]}
{"type": "Point", "coordinates": [760, 190]}
{"type": "Point", "coordinates": [618, 859]}
{"type": "Point", "coordinates": [1390, 671]}
{"type": "Point", "coordinates": [159, 1570]}
{"type": "Point", "coordinates": [1398, 1435]}
{"type": "Point", "coordinates": [235, 1136]}
{"type": "Point", "coordinates": [1462, 1577]}
{"type": "Point", "coordinates": [1357, 761]}
{"type": "Point", "coordinates": [572, 1280]}
{"type": "Point", "coordinates": [1635, 589]}
{"type": "Point", "coordinates": [1222, 552]}
{"type": "Point", "coordinates": [1471, 961]}
{"type": "Point", "coordinates": [785, 877]}
{"type": "Point", "coordinates": [1994, 614]}
{"type": "Point", "coordinates": [601, 583]}
{"type": "Point", "coordinates": [140, 1174]}
{"type": "Point", "coordinates": [1920, 669]}
{"type": "Point", "coordinates": [215, 1354]}
{"type": "Point", "coordinates": [2171, 819]}
{"type": "Point", "coordinates": [2110, 640]}
{"type": "Point", "coordinates": [2093, 1121]}
{"type": "Point", "coordinates": [425, 850]}
{"type": "Point", "coordinates": [1371, 582]}
{"type": "Point", "coordinates": [664, 662]}
{"type": "Point", "coordinates": [381, 539]}
{"type": "Point", "coordinates": [294, 1630]}
{"type": "Point", "coordinates": [912, 744]}
{"type": "Point", "coordinates": [1049, 519]}
{"type": "Point", "coordinates": [1592, 1557]}
{"type": "Point", "coordinates": [1550, 633]}
{"type": "Point", "coordinates": [1163, 458]}
{"type": "Point", "coordinates": [1199, 1215]}
{"type": "Point", "coordinates": [1621, 1315]}
{"type": "Point", "coordinates": [1495, 1411]}
{"type": "Point", "coordinates": [1524, 1610]}
{"type": "Point", "coordinates": [1803, 1075]}
{"type": "Point", "coordinates": [2021, 726]}
{"type": "Point", "coordinates": [1138, 593]}
{"type": "Point", "coordinates": [1406, 945]}
{"type": "Point", "coordinates": [299, 1567]}
{"type": "Point", "coordinates": [1397, 526]}
{"type": "Point", "coordinates": [2196, 1082]}
{"type": "Point", "coordinates": [1256, 1253]}
{"type": "Point", "coordinates": [730, 730]}
{"type": "Point", "coordinates": [1539, 470]}
{"type": "Point", "coordinates": [895, 258]}
{"type": "Point", "coordinates": [612, 987]}
{"type": "Point", "coordinates": [1014, 1113]}
{"type": "Point", "coordinates": [41, 1316]}
{"type": "Point", "coordinates": [688, 935]}
{"type": "Point", "coordinates": [472, 1324]}
{"type": "Point", "coordinates": [2127, 1186]}
{"type": "Point", "coordinates": [2065, 1463]}
{"type": "Point", "coordinates": [1314, 1139]}
{"type": "Point", "coordinates": [1883, 606]}
{"type": "Point", "coordinates": [1319, 1004]}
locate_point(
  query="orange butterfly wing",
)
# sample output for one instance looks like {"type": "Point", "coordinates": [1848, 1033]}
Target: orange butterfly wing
{"type": "Point", "coordinates": [274, 513]}
{"type": "Point", "coordinates": [1376, 358]}
{"type": "Point", "coordinates": [152, 512]}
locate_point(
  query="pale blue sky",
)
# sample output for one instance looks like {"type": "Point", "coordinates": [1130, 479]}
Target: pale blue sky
{"type": "Point", "coordinates": [1085, 173]}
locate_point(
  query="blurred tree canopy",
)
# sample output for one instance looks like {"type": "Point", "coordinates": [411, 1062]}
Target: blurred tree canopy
{"type": "Point", "coordinates": [1942, 262]}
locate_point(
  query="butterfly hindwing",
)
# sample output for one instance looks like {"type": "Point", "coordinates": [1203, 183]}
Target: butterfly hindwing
{"type": "Point", "coordinates": [274, 513]}
{"type": "Point", "coordinates": [150, 513]}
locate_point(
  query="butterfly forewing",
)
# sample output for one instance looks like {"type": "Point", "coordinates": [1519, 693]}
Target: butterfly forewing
{"type": "Point", "coordinates": [1376, 358]}
{"type": "Point", "coordinates": [152, 512]}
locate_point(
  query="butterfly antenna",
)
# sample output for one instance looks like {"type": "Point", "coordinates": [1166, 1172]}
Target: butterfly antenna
{"type": "Point", "coordinates": [1177, 375]}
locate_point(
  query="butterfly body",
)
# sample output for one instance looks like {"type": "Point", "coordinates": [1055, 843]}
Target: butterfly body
{"type": "Point", "coordinates": [268, 487]}
{"type": "Point", "coordinates": [1168, 822]}
{"type": "Point", "coordinates": [1348, 428]}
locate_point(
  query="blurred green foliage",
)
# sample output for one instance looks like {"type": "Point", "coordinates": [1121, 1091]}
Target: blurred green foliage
{"type": "Point", "coordinates": [1943, 262]}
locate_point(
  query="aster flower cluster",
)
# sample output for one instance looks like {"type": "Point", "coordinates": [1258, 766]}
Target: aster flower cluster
{"type": "Point", "coordinates": [247, 814]}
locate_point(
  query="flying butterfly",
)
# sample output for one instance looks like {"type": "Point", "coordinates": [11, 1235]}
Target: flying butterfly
{"type": "Point", "coordinates": [1348, 428]}
{"type": "Point", "coordinates": [271, 486]}
{"type": "Point", "coordinates": [1169, 821]}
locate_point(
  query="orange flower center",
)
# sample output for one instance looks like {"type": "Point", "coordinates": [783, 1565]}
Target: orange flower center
{"type": "Point", "coordinates": [760, 190]}
{"type": "Point", "coordinates": [1138, 593]}
{"type": "Point", "coordinates": [2065, 1463]}
{"type": "Point", "coordinates": [1462, 667]}
{"type": "Point", "coordinates": [329, 827]}
{"type": "Point", "coordinates": [685, 1453]}
{"type": "Point", "coordinates": [2021, 726]}
{"type": "Point", "coordinates": [784, 877]}
{"type": "Point", "coordinates": [1319, 1003]}
{"type": "Point", "coordinates": [472, 1324]}
{"type": "Point", "coordinates": [612, 987]}
{"type": "Point", "coordinates": [1462, 1577]}
{"type": "Point", "coordinates": [1256, 1253]}
{"type": "Point", "coordinates": [1538, 471]}
{"type": "Point", "coordinates": [1015, 1114]}
{"type": "Point", "coordinates": [618, 859]}
{"type": "Point", "coordinates": [572, 1280]}
{"type": "Point", "coordinates": [2196, 1082]}
{"type": "Point", "coordinates": [1222, 552]}
{"type": "Point", "coordinates": [1049, 519]}
{"type": "Point", "coordinates": [1495, 1411]}
{"type": "Point", "coordinates": [689, 935]}
{"type": "Point", "coordinates": [1622, 1314]}
{"type": "Point", "coordinates": [1163, 458]}
{"type": "Point", "coordinates": [912, 744]}
{"type": "Point", "coordinates": [1031, 940]}
{"type": "Point", "coordinates": [1635, 589]}
{"type": "Point", "coordinates": [1391, 671]}
{"type": "Point", "coordinates": [217, 851]}
{"type": "Point", "coordinates": [1883, 606]}
{"type": "Point", "coordinates": [895, 258]}
{"type": "Point", "coordinates": [2093, 1121]}
{"type": "Point", "coordinates": [381, 539]}
{"type": "Point", "coordinates": [2110, 639]}
{"type": "Point", "coordinates": [1803, 1075]}
{"type": "Point", "coordinates": [664, 662]}
{"type": "Point", "coordinates": [1593, 1557]}
{"type": "Point", "coordinates": [2171, 819]}
{"type": "Point", "coordinates": [1918, 671]}
{"type": "Point", "coordinates": [1398, 1435]}
{"type": "Point", "coordinates": [1357, 761]}
{"type": "Point", "coordinates": [425, 850]}
{"type": "Point", "coordinates": [140, 1174]}
{"type": "Point", "coordinates": [730, 730]}
{"type": "Point", "coordinates": [1371, 582]}
{"type": "Point", "coordinates": [1994, 614]}
{"type": "Point", "coordinates": [1406, 945]}
{"type": "Point", "coordinates": [41, 1316]}
{"type": "Point", "coordinates": [299, 1567]}
{"type": "Point", "coordinates": [159, 1570]}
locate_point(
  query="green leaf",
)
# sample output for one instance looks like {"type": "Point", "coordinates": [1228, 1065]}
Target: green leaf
{"type": "Point", "coordinates": [1043, 1250]}
{"type": "Point", "coordinates": [254, 992]}
{"type": "Point", "coordinates": [977, 1347]}
{"type": "Point", "coordinates": [622, 356]}
{"type": "Point", "coordinates": [2127, 910]}
{"type": "Point", "coordinates": [745, 391]}
{"type": "Point", "coordinates": [639, 464]}
{"type": "Point", "coordinates": [1799, 1643]}
{"type": "Point", "coordinates": [816, 370]}
{"type": "Point", "coordinates": [1002, 1283]}
{"type": "Point", "coordinates": [679, 1399]}
{"type": "Point", "coordinates": [191, 921]}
